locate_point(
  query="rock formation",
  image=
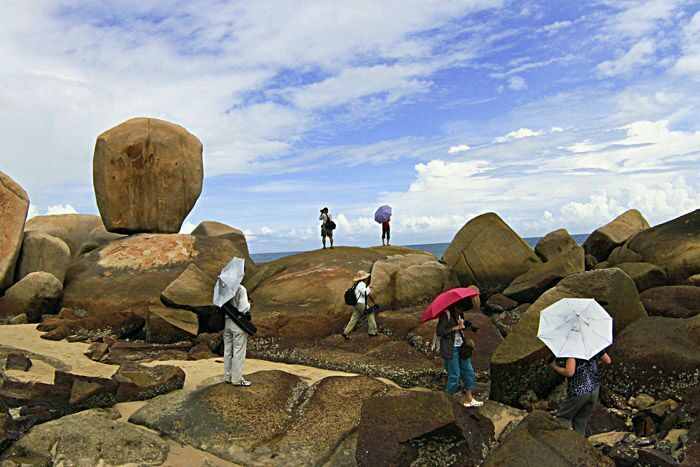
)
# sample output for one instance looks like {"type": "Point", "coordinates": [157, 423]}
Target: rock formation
{"type": "Point", "coordinates": [14, 205]}
{"type": "Point", "coordinates": [603, 240]}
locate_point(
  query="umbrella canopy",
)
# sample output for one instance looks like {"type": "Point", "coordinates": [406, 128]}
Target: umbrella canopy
{"type": "Point", "coordinates": [445, 300]}
{"type": "Point", "coordinates": [228, 281]}
{"type": "Point", "coordinates": [575, 327]}
{"type": "Point", "coordinates": [382, 214]}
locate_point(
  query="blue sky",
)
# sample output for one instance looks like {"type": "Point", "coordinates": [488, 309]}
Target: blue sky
{"type": "Point", "coordinates": [553, 114]}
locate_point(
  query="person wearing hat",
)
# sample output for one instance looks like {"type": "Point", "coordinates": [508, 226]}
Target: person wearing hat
{"type": "Point", "coordinates": [363, 294]}
{"type": "Point", "coordinates": [327, 226]}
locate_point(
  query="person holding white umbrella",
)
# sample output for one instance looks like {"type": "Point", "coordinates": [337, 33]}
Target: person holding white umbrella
{"type": "Point", "coordinates": [580, 330]}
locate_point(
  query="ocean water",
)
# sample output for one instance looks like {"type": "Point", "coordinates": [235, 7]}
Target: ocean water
{"type": "Point", "coordinates": [435, 248]}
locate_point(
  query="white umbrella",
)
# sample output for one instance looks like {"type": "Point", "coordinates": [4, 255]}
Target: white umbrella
{"type": "Point", "coordinates": [575, 327]}
{"type": "Point", "coordinates": [228, 281]}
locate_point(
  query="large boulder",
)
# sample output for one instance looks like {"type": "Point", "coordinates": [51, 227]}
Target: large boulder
{"type": "Point", "coordinates": [36, 294]}
{"type": "Point", "coordinates": [487, 339]}
{"type": "Point", "coordinates": [644, 275]}
{"type": "Point", "coordinates": [217, 229]}
{"type": "Point", "coordinates": [43, 253]}
{"type": "Point", "coordinates": [530, 285]}
{"type": "Point", "coordinates": [147, 175]}
{"type": "Point", "coordinates": [520, 362]}
{"type": "Point", "coordinates": [421, 428]}
{"type": "Point", "coordinates": [74, 229]}
{"type": "Point", "coordinates": [605, 239]}
{"type": "Point", "coordinates": [407, 280]}
{"type": "Point", "coordinates": [14, 205]}
{"type": "Point", "coordinates": [138, 382]}
{"type": "Point", "coordinates": [672, 301]}
{"type": "Point", "coordinates": [555, 244]}
{"type": "Point", "coordinates": [488, 253]}
{"type": "Point", "coordinates": [673, 246]}
{"type": "Point", "coordinates": [169, 325]}
{"type": "Point", "coordinates": [656, 356]}
{"type": "Point", "coordinates": [540, 439]}
{"type": "Point", "coordinates": [92, 437]}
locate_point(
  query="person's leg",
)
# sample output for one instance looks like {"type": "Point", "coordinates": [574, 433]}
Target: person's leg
{"type": "Point", "coordinates": [468, 378]}
{"type": "Point", "coordinates": [323, 239]}
{"type": "Point", "coordinates": [330, 236]}
{"type": "Point", "coordinates": [570, 407]}
{"type": "Point", "coordinates": [452, 367]}
{"type": "Point", "coordinates": [240, 340]}
{"type": "Point", "coordinates": [371, 324]}
{"type": "Point", "coordinates": [353, 321]}
{"type": "Point", "coordinates": [581, 418]}
{"type": "Point", "coordinates": [228, 351]}
{"type": "Point", "coordinates": [388, 236]}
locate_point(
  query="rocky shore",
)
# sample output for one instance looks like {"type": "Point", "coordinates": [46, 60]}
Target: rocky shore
{"type": "Point", "coordinates": [109, 334]}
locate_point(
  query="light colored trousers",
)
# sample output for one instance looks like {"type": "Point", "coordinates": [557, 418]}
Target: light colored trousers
{"type": "Point", "coordinates": [356, 314]}
{"type": "Point", "coordinates": [235, 341]}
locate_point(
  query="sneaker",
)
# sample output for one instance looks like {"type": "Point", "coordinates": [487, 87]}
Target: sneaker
{"type": "Point", "coordinates": [243, 382]}
{"type": "Point", "coordinates": [473, 403]}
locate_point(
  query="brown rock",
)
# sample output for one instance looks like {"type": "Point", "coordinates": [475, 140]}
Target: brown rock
{"type": "Point", "coordinates": [129, 352]}
{"type": "Point", "coordinates": [555, 244]}
{"type": "Point", "coordinates": [649, 456]}
{"type": "Point", "coordinates": [192, 290]}
{"type": "Point", "coordinates": [14, 205]}
{"type": "Point", "coordinates": [36, 294]}
{"type": "Point", "coordinates": [43, 253]}
{"type": "Point", "coordinates": [73, 229]}
{"type": "Point", "coordinates": [147, 175]}
{"type": "Point", "coordinates": [540, 439]}
{"type": "Point", "coordinates": [529, 286]}
{"type": "Point", "coordinates": [97, 350]}
{"type": "Point", "coordinates": [644, 275]}
{"type": "Point", "coordinates": [622, 254]}
{"type": "Point", "coordinates": [170, 325]}
{"type": "Point", "coordinates": [604, 239]}
{"type": "Point", "coordinates": [487, 339]}
{"type": "Point", "coordinates": [486, 252]}
{"type": "Point", "coordinates": [69, 324]}
{"type": "Point", "coordinates": [200, 351]}
{"type": "Point", "coordinates": [520, 362]}
{"type": "Point", "coordinates": [394, 429]}
{"type": "Point", "coordinates": [217, 229]}
{"type": "Point", "coordinates": [672, 301]}
{"type": "Point", "coordinates": [591, 262]}
{"type": "Point", "coordinates": [17, 361]}
{"type": "Point", "coordinates": [138, 382]}
{"type": "Point", "coordinates": [498, 303]}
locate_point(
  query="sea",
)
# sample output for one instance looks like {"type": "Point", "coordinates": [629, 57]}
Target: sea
{"type": "Point", "coordinates": [435, 248]}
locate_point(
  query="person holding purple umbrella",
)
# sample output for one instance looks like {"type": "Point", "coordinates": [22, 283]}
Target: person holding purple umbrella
{"type": "Point", "coordinates": [383, 216]}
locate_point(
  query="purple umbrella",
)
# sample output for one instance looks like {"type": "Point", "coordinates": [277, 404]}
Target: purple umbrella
{"type": "Point", "coordinates": [383, 214]}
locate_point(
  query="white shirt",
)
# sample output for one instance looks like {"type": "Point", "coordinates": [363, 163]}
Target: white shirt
{"type": "Point", "coordinates": [458, 339]}
{"type": "Point", "coordinates": [240, 300]}
{"type": "Point", "coordinates": [361, 291]}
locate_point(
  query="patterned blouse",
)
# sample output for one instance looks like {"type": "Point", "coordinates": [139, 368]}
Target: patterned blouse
{"type": "Point", "coordinates": [586, 378]}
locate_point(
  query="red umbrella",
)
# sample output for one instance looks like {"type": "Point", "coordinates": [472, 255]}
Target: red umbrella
{"type": "Point", "coordinates": [445, 300]}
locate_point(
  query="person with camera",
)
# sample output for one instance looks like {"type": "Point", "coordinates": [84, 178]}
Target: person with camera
{"type": "Point", "coordinates": [456, 350]}
{"type": "Point", "coordinates": [360, 295]}
{"type": "Point", "coordinates": [327, 227]}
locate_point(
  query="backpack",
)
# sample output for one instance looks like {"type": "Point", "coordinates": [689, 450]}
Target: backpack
{"type": "Point", "coordinates": [330, 225]}
{"type": "Point", "coordinates": [350, 296]}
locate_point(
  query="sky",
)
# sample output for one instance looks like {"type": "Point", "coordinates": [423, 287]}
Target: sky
{"type": "Point", "coordinates": [551, 113]}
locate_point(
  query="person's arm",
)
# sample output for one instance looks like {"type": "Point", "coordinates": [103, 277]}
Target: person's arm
{"type": "Point", "coordinates": [444, 327]}
{"type": "Point", "coordinates": [243, 303]}
{"type": "Point", "coordinates": [605, 358]}
{"type": "Point", "coordinates": [567, 371]}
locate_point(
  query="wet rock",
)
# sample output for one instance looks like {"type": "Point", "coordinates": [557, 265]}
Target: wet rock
{"type": "Point", "coordinates": [17, 361]}
{"type": "Point", "coordinates": [644, 275]}
{"type": "Point", "coordinates": [91, 437]}
{"type": "Point", "coordinates": [655, 355]}
{"type": "Point", "coordinates": [14, 205]}
{"type": "Point", "coordinates": [555, 244]}
{"type": "Point", "coordinates": [520, 362]}
{"type": "Point", "coordinates": [43, 253]}
{"type": "Point", "coordinates": [681, 301]}
{"type": "Point", "coordinates": [36, 294]}
{"type": "Point", "coordinates": [401, 429]}
{"type": "Point", "coordinates": [147, 175]}
{"type": "Point", "coordinates": [540, 439]}
{"type": "Point", "coordinates": [488, 253]}
{"type": "Point", "coordinates": [170, 325]}
{"type": "Point", "coordinates": [138, 382]}
{"type": "Point", "coordinates": [604, 239]}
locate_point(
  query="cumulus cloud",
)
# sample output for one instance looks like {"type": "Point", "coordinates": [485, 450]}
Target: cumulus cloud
{"type": "Point", "coordinates": [457, 149]}
{"type": "Point", "coordinates": [518, 134]}
{"type": "Point", "coordinates": [640, 54]}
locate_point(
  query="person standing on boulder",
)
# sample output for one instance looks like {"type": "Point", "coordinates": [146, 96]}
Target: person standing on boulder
{"type": "Point", "coordinates": [386, 232]}
{"type": "Point", "coordinates": [582, 389]}
{"type": "Point", "coordinates": [456, 350]}
{"type": "Point", "coordinates": [361, 295]}
{"type": "Point", "coordinates": [327, 227]}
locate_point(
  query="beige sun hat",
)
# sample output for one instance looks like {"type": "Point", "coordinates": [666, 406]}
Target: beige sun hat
{"type": "Point", "coordinates": [360, 276]}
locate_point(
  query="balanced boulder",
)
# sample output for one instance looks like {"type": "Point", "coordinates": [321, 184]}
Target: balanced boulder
{"type": "Point", "coordinates": [681, 301]}
{"type": "Point", "coordinates": [488, 253]}
{"type": "Point", "coordinates": [74, 229]}
{"type": "Point", "coordinates": [14, 205]}
{"type": "Point", "coordinates": [605, 239]}
{"type": "Point", "coordinates": [520, 365]}
{"type": "Point", "coordinates": [656, 355]}
{"type": "Point", "coordinates": [36, 294]}
{"type": "Point", "coordinates": [147, 175]}
{"type": "Point", "coordinates": [43, 253]}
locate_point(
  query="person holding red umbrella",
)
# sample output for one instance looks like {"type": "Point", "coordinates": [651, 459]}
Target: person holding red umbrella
{"type": "Point", "coordinates": [455, 348]}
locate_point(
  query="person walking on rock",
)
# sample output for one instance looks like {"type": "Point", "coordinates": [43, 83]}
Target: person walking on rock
{"type": "Point", "coordinates": [582, 389]}
{"type": "Point", "coordinates": [327, 227]}
{"type": "Point", "coordinates": [456, 350]}
{"type": "Point", "coordinates": [358, 296]}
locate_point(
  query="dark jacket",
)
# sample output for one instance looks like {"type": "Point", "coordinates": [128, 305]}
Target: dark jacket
{"type": "Point", "coordinates": [447, 336]}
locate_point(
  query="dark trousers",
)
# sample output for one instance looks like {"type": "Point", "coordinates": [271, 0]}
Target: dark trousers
{"type": "Point", "coordinates": [577, 410]}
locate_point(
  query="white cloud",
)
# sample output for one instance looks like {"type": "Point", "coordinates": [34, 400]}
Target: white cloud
{"type": "Point", "coordinates": [637, 18]}
{"type": "Point", "coordinates": [556, 129]}
{"type": "Point", "coordinates": [556, 26]}
{"type": "Point", "coordinates": [61, 209]}
{"type": "Point", "coordinates": [689, 62]}
{"type": "Point", "coordinates": [640, 54]}
{"type": "Point", "coordinates": [517, 83]}
{"type": "Point", "coordinates": [518, 134]}
{"type": "Point", "coordinates": [457, 149]}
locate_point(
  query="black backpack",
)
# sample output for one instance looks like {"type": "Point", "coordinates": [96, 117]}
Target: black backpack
{"type": "Point", "coordinates": [350, 296]}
